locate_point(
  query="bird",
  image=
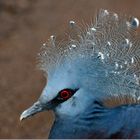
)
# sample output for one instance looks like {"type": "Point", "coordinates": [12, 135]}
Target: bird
{"type": "Point", "coordinates": [93, 80]}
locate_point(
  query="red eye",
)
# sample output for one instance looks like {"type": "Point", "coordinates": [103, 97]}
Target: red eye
{"type": "Point", "coordinates": [65, 94]}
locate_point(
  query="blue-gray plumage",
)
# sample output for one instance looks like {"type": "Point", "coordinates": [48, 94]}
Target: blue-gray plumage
{"type": "Point", "coordinates": [121, 122]}
{"type": "Point", "coordinates": [93, 84]}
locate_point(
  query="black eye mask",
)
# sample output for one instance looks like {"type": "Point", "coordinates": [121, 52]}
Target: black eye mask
{"type": "Point", "coordinates": [62, 96]}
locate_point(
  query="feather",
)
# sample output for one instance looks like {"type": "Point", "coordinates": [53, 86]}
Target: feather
{"type": "Point", "coordinates": [113, 39]}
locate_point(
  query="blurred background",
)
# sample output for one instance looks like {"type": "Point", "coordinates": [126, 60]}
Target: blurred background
{"type": "Point", "coordinates": [24, 26]}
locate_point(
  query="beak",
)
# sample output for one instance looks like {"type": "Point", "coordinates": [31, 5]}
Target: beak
{"type": "Point", "coordinates": [34, 109]}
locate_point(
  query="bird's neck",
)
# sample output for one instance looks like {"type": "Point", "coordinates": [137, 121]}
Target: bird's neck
{"type": "Point", "coordinates": [99, 123]}
{"type": "Point", "coordinates": [93, 122]}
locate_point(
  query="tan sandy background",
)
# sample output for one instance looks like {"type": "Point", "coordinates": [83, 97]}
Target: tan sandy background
{"type": "Point", "coordinates": [24, 26]}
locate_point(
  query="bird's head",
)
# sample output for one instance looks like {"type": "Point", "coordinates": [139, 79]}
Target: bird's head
{"type": "Point", "coordinates": [101, 63]}
{"type": "Point", "coordinates": [71, 88]}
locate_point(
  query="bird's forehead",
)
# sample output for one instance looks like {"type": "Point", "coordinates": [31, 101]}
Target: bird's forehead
{"type": "Point", "coordinates": [76, 68]}
{"type": "Point", "coordinates": [62, 78]}
{"type": "Point", "coordinates": [75, 73]}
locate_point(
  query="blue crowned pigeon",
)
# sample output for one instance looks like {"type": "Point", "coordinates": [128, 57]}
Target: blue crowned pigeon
{"type": "Point", "coordinates": [93, 80]}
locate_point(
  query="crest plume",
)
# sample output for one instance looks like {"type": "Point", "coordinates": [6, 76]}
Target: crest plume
{"type": "Point", "coordinates": [112, 39]}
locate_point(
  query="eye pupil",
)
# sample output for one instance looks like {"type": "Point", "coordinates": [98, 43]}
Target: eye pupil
{"type": "Point", "coordinates": [65, 94]}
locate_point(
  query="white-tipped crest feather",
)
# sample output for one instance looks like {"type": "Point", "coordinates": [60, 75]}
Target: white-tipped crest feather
{"type": "Point", "coordinates": [113, 37]}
